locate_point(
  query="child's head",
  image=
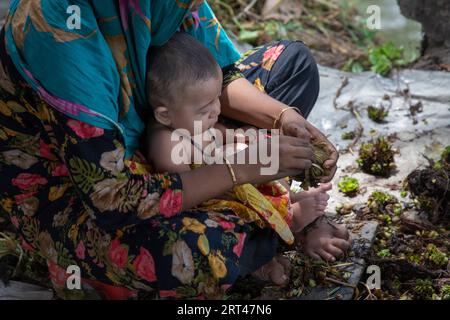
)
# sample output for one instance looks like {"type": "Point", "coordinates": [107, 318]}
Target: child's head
{"type": "Point", "coordinates": [184, 83]}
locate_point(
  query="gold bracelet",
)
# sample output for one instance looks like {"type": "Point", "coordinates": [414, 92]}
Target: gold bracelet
{"type": "Point", "coordinates": [278, 119]}
{"type": "Point", "coordinates": [233, 175]}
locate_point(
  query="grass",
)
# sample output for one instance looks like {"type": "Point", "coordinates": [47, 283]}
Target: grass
{"type": "Point", "coordinates": [333, 29]}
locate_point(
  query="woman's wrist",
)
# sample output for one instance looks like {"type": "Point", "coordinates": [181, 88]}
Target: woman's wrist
{"type": "Point", "coordinates": [196, 188]}
{"type": "Point", "coordinates": [291, 115]}
{"type": "Point", "coordinates": [232, 172]}
{"type": "Point", "coordinates": [244, 174]}
{"type": "Point", "coordinates": [243, 102]}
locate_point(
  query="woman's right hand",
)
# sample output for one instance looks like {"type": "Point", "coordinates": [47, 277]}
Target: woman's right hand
{"type": "Point", "coordinates": [294, 155]}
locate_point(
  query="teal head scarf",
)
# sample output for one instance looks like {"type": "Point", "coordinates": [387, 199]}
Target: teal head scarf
{"type": "Point", "coordinates": [96, 73]}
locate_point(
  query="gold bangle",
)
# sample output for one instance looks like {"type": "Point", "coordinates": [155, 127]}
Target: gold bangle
{"type": "Point", "coordinates": [278, 119]}
{"type": "Point", "coordinates": [230, 169]}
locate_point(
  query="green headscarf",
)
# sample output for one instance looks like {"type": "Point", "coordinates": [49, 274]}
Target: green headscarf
{"type": "Point", "coordinates": [97, 73]}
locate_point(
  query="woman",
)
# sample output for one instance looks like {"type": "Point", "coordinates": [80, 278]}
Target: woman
{"type": "Point", "coordinates": [73, 180]}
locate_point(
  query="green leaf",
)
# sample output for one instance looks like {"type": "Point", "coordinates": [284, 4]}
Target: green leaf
{"type": "Point", "coordinates": [384, 253]}
{"type": "Point", "coordinates": [357, 67]}
{"type": "Point", "coordinates": [383, 58]}
{"type": "Point", "coordinates": [248, 36]}
{"type": "Point", "coordinates": [85, 173]}
{"type": "Point", "coordinates": [348, 185]}
{"type": "Point", "coordinates": [168, 245]}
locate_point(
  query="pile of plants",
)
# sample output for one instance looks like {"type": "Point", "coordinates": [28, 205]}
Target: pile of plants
{"type": "Point", "coordinates": [413, 253]}
{"type": "Point", "coordinates": [376, 157]}
{"type": "Point", "coordinates": [430, 187]}
{"type": "Point", "coordinates": [410, 258]}
{"type": "Point", "coordinates": [311, 177]}
{"type": "Point", "coordinates": [412, 246]}
{"type": "Point", "coordinates": [306, 275]}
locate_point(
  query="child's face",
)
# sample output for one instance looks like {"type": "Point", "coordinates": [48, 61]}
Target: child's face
{"type": "Point", "coordinates": [198, 102]}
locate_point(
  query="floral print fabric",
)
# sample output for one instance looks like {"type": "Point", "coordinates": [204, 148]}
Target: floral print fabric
{"type": "Point", "coordinates": [75, 199]}
{"type": "Point", "coordinates": [107, 51]}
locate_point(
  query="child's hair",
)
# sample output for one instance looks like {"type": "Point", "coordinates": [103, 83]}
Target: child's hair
{"type": "Point", "coordinates": [180, 62]}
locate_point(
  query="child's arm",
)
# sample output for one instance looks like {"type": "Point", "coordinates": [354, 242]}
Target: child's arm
{"type": "Point", "coordinates": [160, 152]}
{"type": "Point", "coordinates": [237, 137]}
{"type": "Point", "coordinates": [222, 128]}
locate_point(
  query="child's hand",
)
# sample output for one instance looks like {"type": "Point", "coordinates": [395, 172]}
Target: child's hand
{"type": "Point", "coordinates": [248, 137]}
{"type": "Point", "coordinates": [227, 150]}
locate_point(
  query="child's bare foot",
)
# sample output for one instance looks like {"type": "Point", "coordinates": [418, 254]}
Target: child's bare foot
{"type": "Point", "coordinates": [325, 240]}
{"type": "Point", "coordinates": [309, 205]}
{"type": "Point", "coordinates": [320, 193]}
{"type": "Point", "coordinates": [277, 271]}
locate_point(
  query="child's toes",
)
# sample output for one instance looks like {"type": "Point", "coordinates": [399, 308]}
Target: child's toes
{"type": "Point", "coordinates": [326, 255]}
{"type": "Point", "coordinates": [285, 263]}
{"type": "Point", "coordinates": [324, 187]}
{"type": "Point", "coordinates": [323, 197]}
{"type": "Point", "coordinates": [278, 275]}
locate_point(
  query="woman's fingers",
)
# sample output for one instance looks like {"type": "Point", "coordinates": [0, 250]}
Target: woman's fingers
{"type": "Point", "coordinates": [292, 144]}
{"type": "Point", "coordinates": [295, 129]}
{"type": "Point", "coordinates": [330, 176]}
{"type": "Point", "coordinates": [295, 165]}
{"type": "Point", "coordinates": [295, 154]}
{"type": "Point", "coordinates": [333, 158]}
{"type": "Point", "coordinates": [295, 141]}
{"type": "Point", "coordinates": [300, 152]}
{"type": "Point", "coordinates": [331, 162]}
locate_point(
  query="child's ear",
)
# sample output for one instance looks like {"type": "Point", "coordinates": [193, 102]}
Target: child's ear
{"type": "Point", "coordinates": [162, 115]}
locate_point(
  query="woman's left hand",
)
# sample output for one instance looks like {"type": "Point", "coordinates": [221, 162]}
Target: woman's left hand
{"type": "Point", "coordinates": [293, 124]}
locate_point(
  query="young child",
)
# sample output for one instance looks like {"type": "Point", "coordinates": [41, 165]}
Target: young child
{"type": "Point", "coordinates": [184, 86]}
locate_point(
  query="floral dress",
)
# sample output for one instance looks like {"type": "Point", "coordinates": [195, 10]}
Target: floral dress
{"type": "Point", "coordinates": [267, 205]}
{"type": "Point", "coordinates": [75, 200]}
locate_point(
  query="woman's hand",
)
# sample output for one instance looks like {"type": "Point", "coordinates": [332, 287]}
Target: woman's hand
{"type": "Point", "coordinates": [331, 163]}
{"type": "Point", "coordinates": [294, 155]}
{"type": "Point", "coordinates": [208, 182]}
{"type": "Point", "coordinates": [293, 124]}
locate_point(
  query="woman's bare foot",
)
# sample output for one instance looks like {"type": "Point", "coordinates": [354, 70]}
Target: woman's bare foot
{"type": "Point", "coordinates": [325, 240]}
{"type": "Point", "coordinates": [277, 271]}
{"type": "Point", "coordinates": [309, 205]}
